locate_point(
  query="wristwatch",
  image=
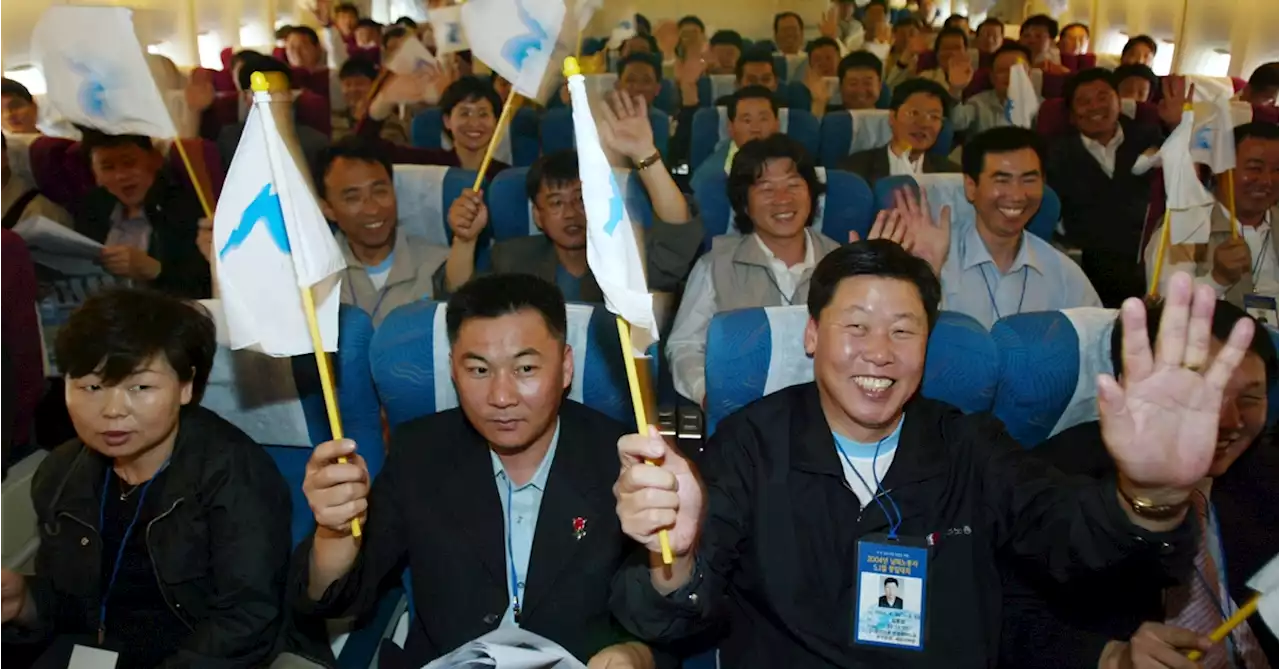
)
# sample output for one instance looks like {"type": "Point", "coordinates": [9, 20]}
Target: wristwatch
{"type": "Point", "coordinates": [650, 161]}
{"type": "Point", "coordinates": [1149, 509]}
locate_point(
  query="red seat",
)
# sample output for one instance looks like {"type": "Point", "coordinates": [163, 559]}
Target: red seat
{"type": "Point", "coordinates": [206, 160]}
{"type": "Point", "coordinates": [225, 56]}
{"type": "Point", "coordinates": [1238, 84]}
{"type": "Point", "coordinates": [313, 111]}
{"type": "Point", "coordinates": [61, 171]}
{"type": "Point", "coordinates": [1052, 119]}
{"type": "Point", "coordinates": [316, 81]}
{"type": "Point", "coordinates": [20, 332]}
{"type": "Point", "coordinates": [1267, 114]}
{"type": "Point", "coordinates": [981, 82]}
{"type": "Point", "coordinates": [1075, 63]}
{"type": "Point", "coordinates": [372, 54]}
{"type": "Point", "coordinates": [926, 61]}
{"type": "Point", "coordinates": [1053, 84]}
{"type": "Point", "coordinates": [279, 54]}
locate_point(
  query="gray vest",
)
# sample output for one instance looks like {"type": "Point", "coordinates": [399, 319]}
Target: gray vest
{"type": "Point", "coordinates": [741, 276]}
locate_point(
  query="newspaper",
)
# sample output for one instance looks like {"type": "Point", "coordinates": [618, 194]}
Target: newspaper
{"type": "Point", "coordinates": [508, 648]}
{"type": "Point", "coordinates": [60, 248]}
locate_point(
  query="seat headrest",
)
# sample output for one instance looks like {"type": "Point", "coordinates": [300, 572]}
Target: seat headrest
{"type": "Point", "coordinates": [511, 211]}
{"type": "Point", "coordinates": [424, 194]}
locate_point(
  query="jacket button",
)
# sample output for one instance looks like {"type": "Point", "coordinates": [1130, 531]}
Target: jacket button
{"type": "Point", "coordinates": [84, 541]}
{"type": "Point", "coordinates": [491, 619]}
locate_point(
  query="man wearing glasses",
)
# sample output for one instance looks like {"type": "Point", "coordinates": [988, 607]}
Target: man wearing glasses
{"type": "Point", "coordinates": [916, 114]}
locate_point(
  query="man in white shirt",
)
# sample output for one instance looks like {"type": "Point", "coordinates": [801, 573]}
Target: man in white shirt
{"type": "Point", "coordinates": [1240, 262]}
{"type": "Point", "coordinates": [987, 109]}
{"type": "Point", "coordinates": [916, 114]}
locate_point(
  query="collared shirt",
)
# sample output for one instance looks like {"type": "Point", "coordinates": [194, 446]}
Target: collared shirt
{"type": "Point", "coordinates": [729, 156]}
{"type": "Point", "coordinates": [787, 277]}
{"type": "Point", "coordinates": [979, 113]}
{"type": "Point", "coordinates": [570, 286]}
{"type": "Point", "coordinates": [865, 464]}
{"type": "Point", "coordinates": [1262, 253]}
{"type": "Point", "coordinates": [1041, 278]}
{"type": "Point", "coordinates": [520, 518]}
{"type": "Point", "coordinates": [378, 273]}
{"type": "Point", "coordinates": [1105, 154]}
{"type": "Point", "coordinates": [132, 232]}
{"type": "Point", "coordinates": [903, 164]}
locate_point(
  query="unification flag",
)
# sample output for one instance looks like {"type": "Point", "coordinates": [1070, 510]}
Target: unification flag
{"type": "Point", "coordinates": [613, 252]}
{"type": "Point", "coordinates": [446, 23]}
{"type": "Point", "coordinates": [411, 57]}
{"type": "Point", "coordinates": [96, 72]}
{"type": "Point", "coordinates": [1213, 142]}
{"type": "Point", "coordinates": [1023, 102]}
{"type": "Point", "coordinates": [516, 39]}
{"type": "Point", "coordinates": [1188, 203]}
{"type": "Point", "coordinates": [271, 241]}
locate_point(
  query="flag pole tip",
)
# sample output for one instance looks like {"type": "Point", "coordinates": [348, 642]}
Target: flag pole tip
{"type": "Point", "coordinates": [263, 82]}
{"type": "Point", "coordinates": [571, 67]}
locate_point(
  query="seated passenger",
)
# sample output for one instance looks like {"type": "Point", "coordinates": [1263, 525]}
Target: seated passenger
{"type": "Point", "coordinates": [1263, 85]}
{"type": "Point", "coordinates": [989, 39]}
{"type": "Point", "coordinates": [22, 200]}
{"type": "Point", "coordinates": [1073, 40]}
{"type": "Point", "coordinates": [1135, 82]}
{"type": "Point", "coordinates": [995, 268]}
{"type": "Point", "coordinates": [1048, 626]}
{"type": "Point", "coordinates": [774, 191]}
{"type": "Point", "coordinates": [639, 75]}
{"type": "Point", "coordinates": [860, 82]}
{"type": "Point", "coordinates": [816, 492]}
{"type": "Point", "coordinates": [559, 254]}
{"type": "Point", "coordinates": [951, 49]}
{"type": "Point", "coordinates": [302, 48]}
{"type": "Point", "coordinates": [905, 51]}
{"type": "Point", "coordinates": [726, 48]}
{"type": "Point", "coordinates": [752, 114]}
{"type": "Point", "coordinates": [1038, 34]}
{"type": "Point", "coordinates": [368, 34]}
{"type": "Point", "coordinates": [356, 78]}
{"type": "Point", "coordinates": [385, 267]}
{"type": "Point", "coordinates": [754, 68]}
{"type": "Point", "coordinates": [1235, 266]}
{"type": "Point", "coordinates": [20, 113]}
{"type": "Point", "coordinates": [146, 222]}
{"type": "Point", "coordinates": [987, 109]}
{"type": "Point", "coordinates": [310, 140]}
{"type": "Point", "coordinates": [164, 529]}
{"type": "Point", "coordinates": [915, 118]}
{"type": "Point", "coordinates": [500, 507]}
{"type": "Point", "coordinates": [959, 21]}
{"type": "Point", "coordinates": [1140, 50]}
{"type": "Point", "coordinates": [823, 62]}
{"type": "Point", "coordinates": [788, 33]}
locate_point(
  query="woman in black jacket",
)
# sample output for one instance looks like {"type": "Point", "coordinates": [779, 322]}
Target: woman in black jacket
{"type": "Point", "coordinates": [164, 530]}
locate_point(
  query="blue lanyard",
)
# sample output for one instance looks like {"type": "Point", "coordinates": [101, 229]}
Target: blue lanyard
{"type": "Point", "coordinates": [893, 525]}
{"type": "Point", "coordinates": [511, 557]}
{"type": "Point", "coordinates": [991, 294]}
{"type": "Point", "coordinates": [124, 541]}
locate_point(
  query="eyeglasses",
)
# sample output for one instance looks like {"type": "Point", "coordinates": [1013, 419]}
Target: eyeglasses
{"type": "Point", "coordinates": [560, 207]}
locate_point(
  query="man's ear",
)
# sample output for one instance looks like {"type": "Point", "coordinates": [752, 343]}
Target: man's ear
{"type": "Point", "coordinates": [537, 216]}
{"type": "Point", "coordinates": [567, 367]}
{"type": "Point", "coordinates": [810, 336]}
{"type": "Point", "coordinates": [970, 188]}
{"type": "Point", "coordinates": [327, 210]}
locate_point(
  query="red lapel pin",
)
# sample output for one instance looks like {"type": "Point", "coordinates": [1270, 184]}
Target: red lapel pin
{"type": "Point", "coordinates": [579, 527]}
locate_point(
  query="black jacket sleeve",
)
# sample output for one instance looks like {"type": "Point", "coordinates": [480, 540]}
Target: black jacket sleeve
{"type": "Point", "coordinates": [183, 270]}
{"type": "Point", "coordinates": [670, 249]}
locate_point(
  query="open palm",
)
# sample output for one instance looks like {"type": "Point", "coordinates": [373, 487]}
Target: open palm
{"type": "Point", "coordinates": [625, 126]}
{"type": "Point", "coordinates": [1160, 422]}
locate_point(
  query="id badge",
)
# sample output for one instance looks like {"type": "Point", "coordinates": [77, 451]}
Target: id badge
{"type": "Point", "coordinates": [1262, 308]}
{"type": "Point", "coordinates": [889, 607]}
{"type": "Point", "coordinates": [84, 657]}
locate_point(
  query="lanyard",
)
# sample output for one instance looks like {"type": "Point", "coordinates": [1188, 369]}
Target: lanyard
{"type": "Point", "coordinates": [382, 294]}
{"type": "Point", "coordinates": [511, 557]}
{"type": "Point", "coordinates": [1262, 254]}
{"type": "Point", "coordinates": [893, 525]}
{"type": "Point", "coordinates": [991, 294]}
{"type": "Point", "coordinates": [124, 541]}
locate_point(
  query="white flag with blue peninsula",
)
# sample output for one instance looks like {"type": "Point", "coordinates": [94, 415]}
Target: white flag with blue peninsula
{"type": "Point", "coordinates": [1022, 103]}
{"type": "Point", "coordinates": [1189, 204]}
{"type": "Point", "coordinates": [270, 241]}
{"type": "Point", "coordinates": [446, 22]}
{"type": "Point", "coordinates": [96, 73]}
{"type": "Point", "coordinates": [516, 39]}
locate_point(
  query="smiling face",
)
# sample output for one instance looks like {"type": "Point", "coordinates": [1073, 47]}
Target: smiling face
{"type": "Point", "coordinates": [778, 203]}
{"type": "Point", "coordinates": [355, 90]}
{"type": "Point", "coordinates": [360, 198]}
{"type": "Point", "coordinates": [1257, 165]}
{"type": "Point", "coordinates": [471, 122]}
{"type": "Point", "coordinates": [868, 346]}
{"type": "Point", "coordinates": [1007, 193]}
{"type": "Point", "coordinates": [753, 119]}
{"type": "Point", "coordinates": [18, 114]}
{"type": "Point", "coordinates": [1244, 410]}
{"type": "Point", "coordinates": [559, 212]}
{"type": "Point", "coordinates": [860, 88]}
{"type": "Point", "coordinates": [1037, 40]}
{"type": "Point", "coordinates": [789, 35]}
{"type": "Point", "coordinates": [951, 47]}
{"type": "Point", "coordinates": [1095, 110]}
{"type": "Point", "coordinates": [131, 417]}
{"type": "Point", "coordinates": [301, 51]}
{"type": "Point", "coordinates": [127, 171]}
{"type": "Point", "coordinates": [917, 122]}
{"type": "Point", "coordinates": [1140, 53]}
{"type": "Point", "coordinates": [511, 373]}
{"type": "Point", "coordinates": [1073, 41]}
{"type": "Point", "coordinates": [1135, 88]}
{"type": "Point", "coordinates": [825, 60]}
{"type": "Point", "coordinates": [639, 79]}
{"type": "Point", "coordinates": [990, 37]}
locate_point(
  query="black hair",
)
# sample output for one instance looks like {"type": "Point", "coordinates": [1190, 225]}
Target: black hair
{"type": "Point", "coordinates": [949, 32]}
{"type": "Point", "coordinates": [754, 54]}
{"type": "Point", "coordinates": [820, 42]}
{"type": "Point", "coordinates": [889, 580]}
{"type": "Point", "coordinates": [93, 140]}
{"type": "Point", "coordinates": [118, 330]}
{"type": "Point", "coordinates": [464, 56]}
{"type": "Point", "coordinates": [902, 92]}
{"type": "Point", "coordinates": [283, 32]}
{"type": "Point", "coordinates": [1005, 139]}
{"type": "Point", "coordinates": [469, 89]}
{"type": "Point", "coordinates": [694, 20]}
{"type": "Point", "coordinates": [1075, 81]}
{"type": "Point", "coordinates": [394, 32]}
{"type": "Point", "coordinates": [860, 60]}
{"type": "Point", "coordinates": [497, 295]}
{"type": "Point", "coordinates": [345, 8]}
{"type": "Point", "coordinates": [1140, 39]}
{"type": "Point", "coordinates": [243, 56]}
{"type": "Point", "coordinates": [553, 169]}
{"type": "Point", "coordinates": [1069, 26]}
{"type": "Point", "coordinates": [1135, 70]}
{"type": "Point", "coordinates": [1257, 130]}
{"type": "Point", "coordinates": [10, 87]}
{"type": "Point", "coordinates": [262, 64]}
{"type": "Point", "coordinates": [908, 21]}
{"type": "Point", "coordinates": [643, 26]}
{"type": "Point", "coordinates": [1225, 316]}
{"type": "Point", "coordinates": [953, 19]}
{"type": "Point", "coordinates": [750, 163]}
{"type": "Point", "coordinates": [882, 4]}
{"type": "Point", "coordinates": [727, 37]}
{"type": "Point", "coordinates": [648, 39]}
{"type": "Point", "coordinates": [406, 22]}
{"type": "Point", "coordinates": [750, 93]}
{"type": "Point", "coordinates": [1267, 75]}
{"type": "Point", "coordinates": [991, 21]}
{"type": "Point", "coordinates": [777, 18]}
{"type": "Point", "coordinates": [651, 60]}
{"type": "Point", "coordinates": [1044, 21]}
{"type": "Point", "coordinates": [1011, 47]}
{"type": "Point", "coordinates": [310, 33]}
{"type": "Point", "coordinates": [880, 258]}
{"type": "Point", "coordinates": [368, 23]}
{"type": "Point", "coordinates": [358, 67]}
{"type": "Point", "coordinates": [348, 148]}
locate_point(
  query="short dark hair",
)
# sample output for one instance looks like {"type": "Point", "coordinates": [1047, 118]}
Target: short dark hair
{"type": "Point", "coordinates": [283, 32]}
{"type": "Point", "coordinates": [345, 8]}
{"type": "Point", "coordinates": [358, 67]}
{"type": "Point", "coordinates": [691, 19]}
{"type": "Point", "coordinates": [260, 63]}
{"type": "Point", "coordinates": [750, 93]}
{"type": "Point", "coordinates": [1044, 21]}
{"type": "Point", "coordinates": [1075, 81]}
{"type": "Point", "coordinates": [777, 18]}
{"type": "Point", "coordinates": [1069, 26]}
{"type": "Point", "coordinates": [1135, 70]}
{"type": "Point", "coordinates": [310, 32]}
{"type": "Point", "coordinates": [902, 92]}
{"type": "Point", "coordinates": [882, 4]}
{"type": "Point", "coordinates": [394, 32]}
{"type": "Point", "coordinates": [727, 37]}
{"type": "Point", "coordinates": [1225, 316]}
{"type": "Point", "coordinates": [651, 60]}
{"type": "Point", "coordinates": [999, 140]}
{"type": "Point", "coordinates": [95, 140]}
{"type": "Point", "coordinates": [908, 21]}
{"type": "Point", "coordinates": [860, 60]}
{"type": "Point", "coordinates": [496, 295]}
{"type": "Point", "coordinates": [820, 42]}
{"type": "Point", "coordinates": [643, 26]}
{"type": "Point", "coordinates": [889, 580]}
{"type": "Point", "coordinates": [117, 330]}
{"type": "Point", "coordinates": [1267, 75]}
{"type": "Point", "coordinates": [243, 56]}
{"type": "Point", "coordinates": [553, 169]}
{"type": "Point", "coordinates": [1012, 47]}
{"type": "Point", "coordinates": [876, 257]}
{"type": "Point", "coordinates": [992, 21]}
{"type": "Point", "coordinates": [368, 23]}
{"type": "Point", "coordinates": [406, 22]}
{"type": "Point", "coordinates": [754, 54]}
{"type": "Point", "coordinates": [1257, 130]}
{"type": "Point", "coordinates": [10, 87]}
{"type": "Point", "coordinates": [348, 148]}
{"type": "Point", "coordinates": [949, 32]}
{"type": "Point", "coordinates": [953, 19]}
{"type": "Point", "coordinates": [750, 163]}
{"type": "Point", "coordinates": [469, 89]}
{"type": "Point", "coordinates": [1141, 39]}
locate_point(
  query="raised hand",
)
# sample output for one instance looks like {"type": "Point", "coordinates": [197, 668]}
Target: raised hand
{"type": "Point", "coordinates": [199, 91]}
{"type": "Point", "coordinates": [1160, 421]}
{"type": "Point", "coordinates": [13, 596]}
{"type": "Point", "coordinates": [830, 24]}
{"type": "Point", "coordinates": [817, 85]}
{"type": "Point", "coordinates": [924, 236]}
{"type": "Point", "coordinates": [689, 70]}
{"type": "Point", "coordinates": [665, 495]}
{"type": "Point", "coordinates": [337, 493]}
{"type": "Point", "coordinates": [468, 216]}
{"type": "Point", "coordinates": [625, 126]}
{"type": "Point", "coordinates": [888, 226]}
{"type": "Point", "coordinates": [1175, 96]}
{"type": "Point", "coordinates": [959, 73]}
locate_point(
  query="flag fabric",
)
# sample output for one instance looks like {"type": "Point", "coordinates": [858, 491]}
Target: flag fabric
{"type": "Point", "coordinates": [613, 252]}
{"type": "Point", "coordinates": [270, 240]}
{"type": "Point", "coordinates": [1213, 141]}
{"type": "Point", "coordinates": [96, 72]}
{"type": "Point", "coordinates": [1267, 583]}
{"type": "Point", "coordinates": [625, 30]}
{"type": "Point", "coordinates": [516, 39]}
{"type": "Point", "coordinates": [447, 24]}
{"type": "Point", "coordinates": [411, 57]}
{"type": "Point", "coordinates": [1023, 102]}
{"type": "Point", "coordinates": [1188, 203]}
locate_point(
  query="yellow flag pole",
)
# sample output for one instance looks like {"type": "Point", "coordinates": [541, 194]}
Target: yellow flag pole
{"type": "Point", "coordinates": [1231, 202]}
{"type": "Point", "coordinates": [195, 181]}
{"type": "Point", "coordinates": [1164, 245]}
{"type": "Point", "coordinates": [504, 120]}
{"type": "Point", "coordinates": [1242, 614]}
{"type": "Point", "coordinates": [261, 83]}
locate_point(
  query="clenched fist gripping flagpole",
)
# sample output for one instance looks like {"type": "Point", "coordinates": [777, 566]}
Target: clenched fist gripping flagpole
{"type": "Point", "coordinates": [613, 253]}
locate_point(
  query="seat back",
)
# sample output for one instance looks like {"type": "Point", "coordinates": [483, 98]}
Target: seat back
{"type": "Point", "coordinates": [410, 361]}
{"type": "Point", "coordinates": [848, 132]}
{"type": "Point", "coordinates": [424, 194]}
{"type": "Point", "coordinates": [511, 211]}
{"type": "Point", "coordinates": [1048, 365]}
{"type": "Point", "coordinates": [754, 352]}
{"type": "Point", "coordinates": [713, 87]}
{"type": "Point", "coordinates": [556, 130]}
{"type": "Point", "coordinates": [847, 205]}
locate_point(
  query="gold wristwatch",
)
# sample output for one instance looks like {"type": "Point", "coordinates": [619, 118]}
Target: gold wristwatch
{"type": "Point", "coordinates": [1149, 509]}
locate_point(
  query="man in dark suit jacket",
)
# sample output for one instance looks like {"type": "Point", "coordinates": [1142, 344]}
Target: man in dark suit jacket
{"type": "Point", "coordinates": [502, 509]}
{"type": "Point", "coordinates": [1049, 626]}
{"type": "Point", "coordinates": [915, 117]}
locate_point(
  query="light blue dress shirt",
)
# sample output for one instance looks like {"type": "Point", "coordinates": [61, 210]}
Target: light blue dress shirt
{"type": "Point", "coordinates": [520, 525]}
{"type": "Point", "coordinates": [1041, 278]}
